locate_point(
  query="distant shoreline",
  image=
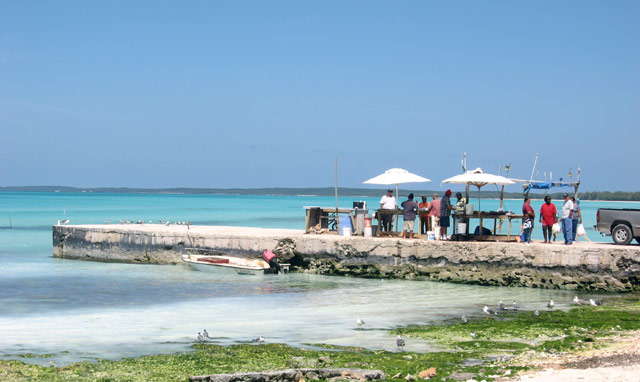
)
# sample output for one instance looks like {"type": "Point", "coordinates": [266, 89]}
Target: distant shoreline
{"type": "Point", "coordinates": [601, 196]}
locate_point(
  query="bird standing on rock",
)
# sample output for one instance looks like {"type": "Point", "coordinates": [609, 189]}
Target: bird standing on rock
{"type": "Point", "coordinates": [258, 340]}
{"type": "Point", "coordinates": [200, 337]}
{"type": "Point", "coordinates": [550, 304]}
{"type": "Point", "coordinates": [579, 302]}
{"type": "Point", "coordinates": [594, 302]}
{"type": "Point", "coordinates": [473, 335]}
{"type": "Point", "coordinates": [205, 334]}
{"type": "Point", "coordinates": [359, 321]}
{"type": "Point", "coordinates": [489, 311]}
{"type": "Point", "coordinates": [400, 342]}
{"type": "Point", "coordinates": [464, 319]}
{"type": "Point", "coordinates": [502, 306]}
{"type": "Point", "coordinates": [536, 313]}
{"type": "Point", "coordinates": [515, 305]}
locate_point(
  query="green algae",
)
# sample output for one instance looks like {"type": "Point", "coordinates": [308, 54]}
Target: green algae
{"type": "Point", "coordinates": [497, 339]}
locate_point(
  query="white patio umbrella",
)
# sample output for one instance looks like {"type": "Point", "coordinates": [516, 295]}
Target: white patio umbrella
{"type": "Point", "coordinates": [478, 178]}
{"type": "Point", "coordinates": [396, 176]}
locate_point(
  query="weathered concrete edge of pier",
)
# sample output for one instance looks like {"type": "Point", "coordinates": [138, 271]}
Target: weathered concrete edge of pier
{"type": "Point", "coordinates": [597, 267]}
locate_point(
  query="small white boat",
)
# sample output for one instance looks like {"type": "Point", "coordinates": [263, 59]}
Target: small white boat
{"type": "Point", "coordinates": [227, 264]}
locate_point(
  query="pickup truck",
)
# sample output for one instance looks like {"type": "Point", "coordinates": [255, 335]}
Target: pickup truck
{"type": "Point", "coordinates": [622, 224]}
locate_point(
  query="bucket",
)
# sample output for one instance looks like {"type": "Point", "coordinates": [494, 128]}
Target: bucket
{"type": "Point", "coordinates": [368, 232]}
{"type": "Point", "coordinates": [346, 232]}
{"type": "Point", "coordinates": [430, 235]}
{"type": "Point", "coordinates": [462, 228]}
{"type": "Point", "coordinates": [367, 223]}
{"type": "Point", "coordinates": [468, 209]}
{"type": "Point", "coordinates": [345, 224]}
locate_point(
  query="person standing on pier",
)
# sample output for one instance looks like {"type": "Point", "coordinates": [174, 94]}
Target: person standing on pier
{"type": "Point", "coordinates": [388, 202]}
{"type": "Point", "coordinates": [445, 213]}
{"type": "Point", "coordinates": [409, 210]}
{"type": "Point", "coordinates": [424, 216]}
{"type": "Point", "coordinates": [577, 217]}
{"type": "Point", "coordinates": [567, 220]}
{"type": "Point", "coordinates": [460, 205]}
{"type": "Point", "coordinates": [548, 214]}
{"type": "Point", "coordinates": [434, 214]}
{"type": "Point", "coordinates": [527, 219]}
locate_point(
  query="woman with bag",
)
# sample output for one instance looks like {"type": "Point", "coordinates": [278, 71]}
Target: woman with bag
{"type": "Point", "coordinates": [548, 214]}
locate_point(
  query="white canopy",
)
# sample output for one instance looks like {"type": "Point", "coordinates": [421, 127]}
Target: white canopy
{"type": "Point", "coordinates": [396, 176]}
{"type": "Point", "coordinates": [478, 178]}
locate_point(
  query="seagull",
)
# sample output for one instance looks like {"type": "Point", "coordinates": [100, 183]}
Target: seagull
{"type": "Point", "coordinates": [464, 319]}
{"type": "Point", "coordinates": [594, 302]}
{"type": "Point", "coordinates": [536, 313]}
{"type": "Point", "coordinates": [501, 306]}
{"type": "Point", "coordinates": [473, 335]}
{"type": "Point", "coordinates": [205, 334]}
{"type": "Point", "coordinates": [258, 340]}
{"type": "Point", "coordinates": [489, 311]}
{"type": "Point", "coordinates": [200, 337]}
{"type": "Point", "coordinates": [551, 304]}
{"type": "Point", "coordinates": [400, 342]}
{"type": "Point", "coordinates": [515, 305]}
{"type": "Point", "coordinates": [579, 302]}
{"type": "Point", "coordinates": [359, 321]}
{"type": "Point", "coordinates": [167, 222]}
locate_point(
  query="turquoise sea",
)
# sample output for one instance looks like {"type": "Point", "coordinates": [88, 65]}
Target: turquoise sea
{"type": "Point", "coordinates": [76, 310]}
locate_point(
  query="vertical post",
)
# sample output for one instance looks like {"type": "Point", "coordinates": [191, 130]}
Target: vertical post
{"type": "Point", "coordinates": [336, 191]}
{"type": "Point", "coordinates": [336, 188]}
{"type": "Point", "coordinates": [508, 167]}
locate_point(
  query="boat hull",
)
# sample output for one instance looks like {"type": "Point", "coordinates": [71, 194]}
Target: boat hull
{"type": "Point", "coordinates": [226, 264]}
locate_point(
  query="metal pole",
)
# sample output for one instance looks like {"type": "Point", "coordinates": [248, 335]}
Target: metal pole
{"type": "Point", "coordinates": [336, 188]}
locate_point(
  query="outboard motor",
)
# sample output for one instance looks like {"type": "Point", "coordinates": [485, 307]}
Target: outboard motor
{"type": "Point", "coordinates": [270, 258]}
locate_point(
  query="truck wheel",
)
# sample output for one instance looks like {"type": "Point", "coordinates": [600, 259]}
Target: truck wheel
{"type": "Point", "coordinates": [621, 234]}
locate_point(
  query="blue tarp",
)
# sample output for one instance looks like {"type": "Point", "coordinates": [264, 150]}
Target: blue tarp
{"type": "Point", "coordinates": [545, 185]}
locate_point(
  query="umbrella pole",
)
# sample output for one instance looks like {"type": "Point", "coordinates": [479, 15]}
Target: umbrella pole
{"type": "Point", "coordinates": [396, 216]}
{"type": "Point", "coordinates": [480, 212]}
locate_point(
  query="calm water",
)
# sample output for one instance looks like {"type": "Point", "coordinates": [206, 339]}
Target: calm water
{"type": "Point", "coordinates": [87, 310]}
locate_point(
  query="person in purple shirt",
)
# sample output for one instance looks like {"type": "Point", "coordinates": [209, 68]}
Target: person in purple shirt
{"type": "Point", "coordinates": [527, 219]}
{"type": "Point", "coordinates": [409, 211]}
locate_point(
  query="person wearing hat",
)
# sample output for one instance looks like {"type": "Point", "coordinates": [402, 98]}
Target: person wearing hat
{"type": "Point", "coordinates": [567, 219]}
{"type": "Point", "coordinates": [388, 202]}
{"type": "Point", "coordinates": [409, 210]}
{"type": "Point", "coordinates": [445, 213]}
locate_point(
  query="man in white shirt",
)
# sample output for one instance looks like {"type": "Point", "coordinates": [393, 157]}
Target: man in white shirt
{"type": "Point", "coordinates": [388, 202]}
{"type": "Point", "coordinates": [567, 220]}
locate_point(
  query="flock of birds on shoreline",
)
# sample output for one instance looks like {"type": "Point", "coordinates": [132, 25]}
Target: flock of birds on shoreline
{"type": "Point", "coordinates": [140, 221]}
{"type": "Point", "coordinates": [400, 342]}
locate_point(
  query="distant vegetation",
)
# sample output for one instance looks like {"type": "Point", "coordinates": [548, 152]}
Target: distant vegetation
{"type": "Point", "coordinates": [329, 191]}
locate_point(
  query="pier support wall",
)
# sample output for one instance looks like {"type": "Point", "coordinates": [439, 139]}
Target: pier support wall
{"type": "Point", "coordinates": [586, 266]}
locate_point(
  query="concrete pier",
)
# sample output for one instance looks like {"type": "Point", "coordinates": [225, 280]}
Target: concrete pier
{"type": "Point", "coordinates": [586, 266]}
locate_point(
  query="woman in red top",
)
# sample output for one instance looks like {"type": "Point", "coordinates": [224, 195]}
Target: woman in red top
{"type": "Point", "coordinates": [548, 214]}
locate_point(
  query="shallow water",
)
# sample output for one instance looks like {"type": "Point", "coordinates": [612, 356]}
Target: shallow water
{"type": "Point", "coordinates": [86, 310]}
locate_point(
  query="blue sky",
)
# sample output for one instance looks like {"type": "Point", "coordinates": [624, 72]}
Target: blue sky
{"type": "Point", "coordinates": [269, 93]}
